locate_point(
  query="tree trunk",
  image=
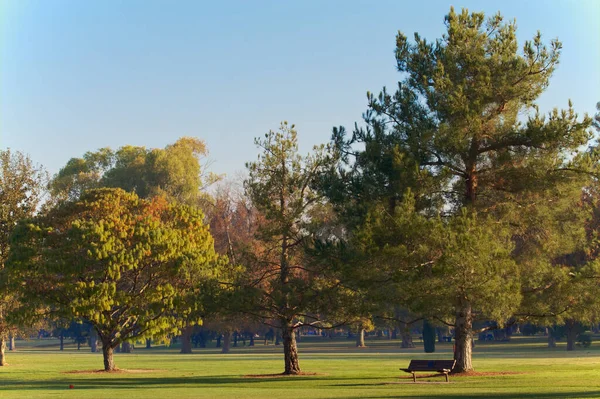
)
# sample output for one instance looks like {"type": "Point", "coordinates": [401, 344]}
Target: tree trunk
{"type": "Point", "coordinates": [226, 342]}
{"type": "Point", "coordinates": [235, 339]}
{"type": "Point", "coordinates": [251, 340]}
{"type": "Point", "coordinates": [551, 341]}
{"type": "Point", "coordinates": [571, 327]}
{"type": "Point", "coordinates": [407, 341]}
{"type": "Point", "coordinates": [186, 339]}
{"type": "Point", "coordinates": [126, 347]}
{"type": "Point", "coordinates": [62, 342]}
{"type": "Point", "coordinates": [290, 350]}
{"type": "Point", "coordinates": [219, 340]}
{"type": "Point", "coordinates": [463, 332]}
{"type": "Point", "coordinates": [360, 338]}
{"type": "Point", "coordinates": [3, 351]}
{"type": "Point", "coordinates": [107, 353]}
{"type": "Point", "coordinates": [11, 343]}
{"type": "Point", "coordinates": [94, 340]}
{"type": "Point", "coordinates": [148, 343]}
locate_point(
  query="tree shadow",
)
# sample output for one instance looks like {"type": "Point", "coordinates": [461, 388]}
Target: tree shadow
{"type": "Point", "coordinates": [508, 395]}
{"type": "Point", "coordinates": [120, 381]}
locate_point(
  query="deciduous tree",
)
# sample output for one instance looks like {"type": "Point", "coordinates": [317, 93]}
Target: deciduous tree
{"type": "Point", "coordinates": [130, 267]}
{"type": "Point", "coordinates": [22, 189]}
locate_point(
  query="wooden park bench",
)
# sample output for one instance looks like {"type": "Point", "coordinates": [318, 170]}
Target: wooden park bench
{"type": "Point", "coordinates": [443, 367]}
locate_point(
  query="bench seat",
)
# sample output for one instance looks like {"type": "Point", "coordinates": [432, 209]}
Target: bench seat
{"type": "Point", "coordinates": [443, 367]}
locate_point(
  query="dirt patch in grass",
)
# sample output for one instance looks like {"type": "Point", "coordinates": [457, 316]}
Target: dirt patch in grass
{"type": "Point", "coordinates": [279, 375]}
{"type": "Point", "coordinates": [117, 371]}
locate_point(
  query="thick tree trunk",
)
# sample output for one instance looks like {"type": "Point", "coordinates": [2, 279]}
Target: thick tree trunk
{"type": "Point", "coordinates": [11, 343]}
{"type": "Point", "coordinates": [62, 342]}
{"type": "Point", "coordinates": [3, 351]}
{"type": "Point", "coordinates": [290, 350]}
{"type": "Point", "coordinates": [571, 327]}
{"type": "Point", "coordinates": [360, 338]}
{"type": "Point", "coordinates": [148, 343]}
{"type": "Point", "coordinates": [226, 342]}
{"type": "Point", "coordinates": [551, 341]}
{"type": "Point", "coordinates": [186, 339]}
{"type": "Point", "coordinates": [109, 361]}
{"type": "Point", "coordinates": [251, 340]}
{"type": "Point", "coordinates": [463, 332]}
{"type": "Point", "coordinates": [235, 339]}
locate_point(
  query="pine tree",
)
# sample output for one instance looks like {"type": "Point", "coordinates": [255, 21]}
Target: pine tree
{"type": "Point", "coordinates": [464, 134]}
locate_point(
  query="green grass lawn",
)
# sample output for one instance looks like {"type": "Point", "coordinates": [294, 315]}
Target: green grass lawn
{"type": "Point", "coordinates": [38, 369]}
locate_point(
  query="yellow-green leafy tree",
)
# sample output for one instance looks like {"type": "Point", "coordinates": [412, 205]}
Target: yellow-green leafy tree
{"type": "Point", "coordinates": [130, 267]}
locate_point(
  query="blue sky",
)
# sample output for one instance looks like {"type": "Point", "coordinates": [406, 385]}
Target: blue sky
{"type": "Point", "coordinates": [79, 75]}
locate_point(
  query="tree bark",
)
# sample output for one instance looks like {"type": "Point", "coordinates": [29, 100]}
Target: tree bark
{"type": "Point", "coordinates": [186, 339]}
{"type": "Point", "coordinates": [11, 343]}
{"type": "Point", "coordinates": [226, 342]}
{"type": "Point", "coordinates": [551, 341]}
{"type": "Point", "coordinates": [360, 338]}
{"type": "Point", "coordinates": [3, 351]}
{"type": "Point", "coordinates": [463, 332]}
{"type": "Point", "coordinates": [290, 350]}
{"type": "Point", "coordinates": [148, 343]}
{"type": "Point", "coordinates": [107, 353]}
{"type": "Point", "coordinates": [94, 340]}
{"type": "Point", "coordinates": [62, 342]}
{"type": "Point", "coordinates": [407, 341]}
{"type": "Point", "coordinates": [571, 327]}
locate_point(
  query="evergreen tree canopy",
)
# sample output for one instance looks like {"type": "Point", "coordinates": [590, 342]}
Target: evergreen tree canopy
{"type": "Point", "coordinates": [462, 135]}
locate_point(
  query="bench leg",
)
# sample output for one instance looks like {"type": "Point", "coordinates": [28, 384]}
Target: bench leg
{"type": "Point", "coordinates": [446, 374]}
{"type": "Point", "coordinates": [414, 377]}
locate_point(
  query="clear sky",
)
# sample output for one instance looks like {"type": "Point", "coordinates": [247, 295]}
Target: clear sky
{"type": "Point", "coordinates": [77, 75]}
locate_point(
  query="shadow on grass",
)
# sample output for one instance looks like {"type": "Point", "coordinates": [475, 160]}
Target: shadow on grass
{"type": "Point", "coordinates": [508, 395]}
{"type": "Point", "coordinates": [112, 381]}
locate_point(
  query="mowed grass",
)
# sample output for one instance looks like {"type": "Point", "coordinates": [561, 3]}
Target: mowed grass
{"type": "Point", "coordinates": [343, 371]}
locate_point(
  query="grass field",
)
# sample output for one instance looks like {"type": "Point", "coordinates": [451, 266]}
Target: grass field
{"type": "Point", "coordinates": [39, 370]}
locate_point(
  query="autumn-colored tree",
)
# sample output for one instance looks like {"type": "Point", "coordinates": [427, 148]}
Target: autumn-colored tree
{"type": "Point", "coordinates": [130, 267]}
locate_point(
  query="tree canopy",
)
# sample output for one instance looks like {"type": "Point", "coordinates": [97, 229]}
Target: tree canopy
{"type": "Point", "coordinates": [124, 264]}
{"type": "Point", "coordinates": [462, 135]}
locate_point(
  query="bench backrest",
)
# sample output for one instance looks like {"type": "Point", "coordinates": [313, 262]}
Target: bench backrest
{"type": "Point", "coordinates": [427, 365]}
